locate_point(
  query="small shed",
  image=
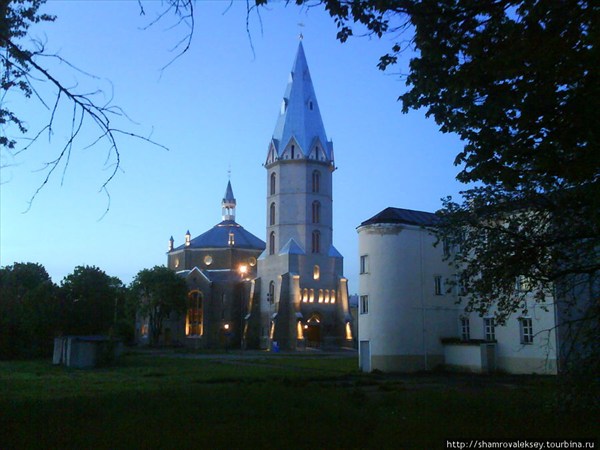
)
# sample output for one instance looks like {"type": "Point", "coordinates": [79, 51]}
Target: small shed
{"type": "Point", "coordinates": [84, 352]}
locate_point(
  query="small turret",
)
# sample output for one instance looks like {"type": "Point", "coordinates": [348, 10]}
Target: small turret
{"type": "Point", "coordinates": [228, 203]}
{"type": "Point", "coordinates": [171, 243]}
{"type": "Point", "coordinates": [188, 238]}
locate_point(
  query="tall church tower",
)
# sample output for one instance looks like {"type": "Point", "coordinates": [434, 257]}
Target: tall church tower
{"type": "Point", "coordinates": [303, 293]}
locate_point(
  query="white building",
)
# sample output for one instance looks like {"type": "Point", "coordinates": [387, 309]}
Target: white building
{"type": "Point", "coordinates": [409, 320]}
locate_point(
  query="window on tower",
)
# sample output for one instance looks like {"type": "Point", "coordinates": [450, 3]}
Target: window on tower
{"type": "Point", "coordinates": [272, 214]}
{"type": "Point", "coordinates": [316, 212]}
{"type": "Point", "coordinates": [272, 243]}
{"type": "Point", "coordinates": [316, 181]}
{"type": "Point", "coordinates": [316, 241]}
{"type": "Point", "coordinates": [273, 179]}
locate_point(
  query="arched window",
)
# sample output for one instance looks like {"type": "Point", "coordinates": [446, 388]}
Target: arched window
{"type": "Point", "coordinates": [316, 181]}
{"type": "Point", "coordinates": [193, 318]}
{"type": "Point", "coordinates": [293, 148]}
{"type": "Point", "coordinates": [273, 179]}
{"type": "Point", "coordinates": [316, 273]}
{"type": "Point", "coordinates": [316, 241]}
{"type": "Point", "coordinates": [272, 214]}
{"type": "Point", "coordinates": [316, 212]}
{"type": "Point", "coordinates": [271, 294]}
{"type": "Point", "coordinates": [272, 243]}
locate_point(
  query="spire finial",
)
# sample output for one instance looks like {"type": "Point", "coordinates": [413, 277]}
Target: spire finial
{"type": "Point", "coordinates": [300, 36]}
{"type": "Point", "coordinates": [229, 172]}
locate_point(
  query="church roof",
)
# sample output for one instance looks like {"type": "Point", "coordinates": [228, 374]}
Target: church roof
{"type": "Point", "coordinates": [406, 216]}
{"type": "Point", "coordinates": [218, 237]}
{"type": "Point", "coordinates": [299, 117]}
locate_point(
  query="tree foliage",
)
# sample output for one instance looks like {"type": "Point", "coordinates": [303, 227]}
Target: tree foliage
{"type": "Point", "coordinates": [30, 311]}
{"type": "Point", "coordinates": [91, 298]}
{"type": "Point", "coordinates": [160, 292]}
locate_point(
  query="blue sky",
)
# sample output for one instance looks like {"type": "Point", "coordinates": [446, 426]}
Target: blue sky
{"type": "Point", "coordinates": [214, 108]}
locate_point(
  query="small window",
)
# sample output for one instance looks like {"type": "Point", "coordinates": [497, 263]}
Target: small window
{"type": "Point", "coordinates": [271, 293]}
{"type": "Point", "coordinates": [316, 212]}
{"type": "Point", "coordinates": [489, 329]}
{"type": "Point", "coordinates": [437, 281]}
{"type": "Point", "coordinates": [273, 178]}
{"type": "Point", "coordinates": [316, 181]}
{"type": "Point", "coordinates": [316, 273]}
{"type": "Point", "coordinates": [526, 326]}
{"type": "Point", "coordinates": [293, 149]}
{"type": "Point", "coordinates": [272, 243]}
{"type": "Point", "coordinates": [310, 105]}
{"type": "Point", "coordinates": [272, 214]}
{"type": "Point", "coordinates": [364, 304]}
{"type": "Point", "coordinates": [316, 241]}
{"type": "Point", "coordinates": [364, 264]}
{"type": "Point", "coordinates": [465, 329]}
{"type": "Point", "coordinates": [231, 240]}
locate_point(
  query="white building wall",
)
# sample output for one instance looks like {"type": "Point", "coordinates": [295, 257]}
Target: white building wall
{"type": "Point", "coordinates": [407, 320]}
{"type": "Point", "coordinates": [405, 316]}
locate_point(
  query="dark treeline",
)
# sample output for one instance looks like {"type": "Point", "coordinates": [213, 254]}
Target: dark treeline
{"type": "Point", "coordinates": [34, 310]}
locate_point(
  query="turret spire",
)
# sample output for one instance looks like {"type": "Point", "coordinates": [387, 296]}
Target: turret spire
{"type": "Point", "coordinates": [228, 203]}
{"type": "Point", "coordinates": [299, 132]}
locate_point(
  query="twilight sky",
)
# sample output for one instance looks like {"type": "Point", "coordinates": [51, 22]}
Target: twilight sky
{"type": "Point", "coordinates": [215, 108]}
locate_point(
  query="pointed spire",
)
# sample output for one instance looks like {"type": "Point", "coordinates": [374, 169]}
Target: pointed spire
{"type": "Point", "coordinates": [228, 203]}
{"type": "Point", "coordinates": [188, 238]}
{"type": "Point", "coordinates": [299, 122]}
{"type": "Point", "coordinates": [171, 243]}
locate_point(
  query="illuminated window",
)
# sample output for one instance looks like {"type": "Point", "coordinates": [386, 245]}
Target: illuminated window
{"type": "Point", "coordinates": [316, 181]}
{"type": "Point", "coordinates": [326, 296]}
{"type": "Point", "coordinates": [316, 241]}
{"type": "Point", "coordinates": [332, 297]}
{"type": "Point", "coordinates": [316, 212]}
{"type": "Point", "coordinates": [193, 319]}
{"type": "Point", "coordinates": [364, 264]}
{"type": "Point", "coordinates": [364, 304]}
{"type": "Point", "coordinates": [489, 329]}
{"type": "Point", "coordinates": [273, 179]}
{"type": "Point", "coordinates": [320, 295]}
{"type": "Point", "coordinates": [305, 295]}
{"type": "Point", "coordinates": [272, 243]}
{"type": "Point", "coordinates": [272, 214]}
{"type": "Point", "coordinates": [316, 273]}
{"type": "Point", "coordinates": [465, 329]}
{"type": "Point", "coordinates": [231, 240]}
{"type": "Point", "coordinates": [526, 328]}
{"type": "Point", "coordinates": [437, 282]}
{"type": "Point", "coordinates": [311, 297]}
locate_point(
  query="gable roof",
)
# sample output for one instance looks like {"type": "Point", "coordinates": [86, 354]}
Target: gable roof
{"type": "Point", "coordinates": [405, 216]}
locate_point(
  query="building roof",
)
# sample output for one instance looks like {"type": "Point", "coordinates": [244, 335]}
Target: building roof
{"type": "Point", "coordinates": [299, 117]}
{"type": "Point", "coordinates": [218, 237]}
{"type": "Point", "coordinates": [405, 216]}
{"type": "Point", "coordinates": [291, 248]}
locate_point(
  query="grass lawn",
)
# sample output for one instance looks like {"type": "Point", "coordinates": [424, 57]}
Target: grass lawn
{"type": "Point", "coordinates": [274, 402]}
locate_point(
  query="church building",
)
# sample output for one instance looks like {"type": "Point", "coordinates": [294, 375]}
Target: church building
{"type": "Point", "coordinates": [217, 266]}
{"type": "Point", "coordinates": [289, 293]}
{"type": "Point", "coordinates": [300, 285]}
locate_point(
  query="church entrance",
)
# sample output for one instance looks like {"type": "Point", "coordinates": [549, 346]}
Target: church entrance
{"type": "Point", "coordinates": [312, 331]}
